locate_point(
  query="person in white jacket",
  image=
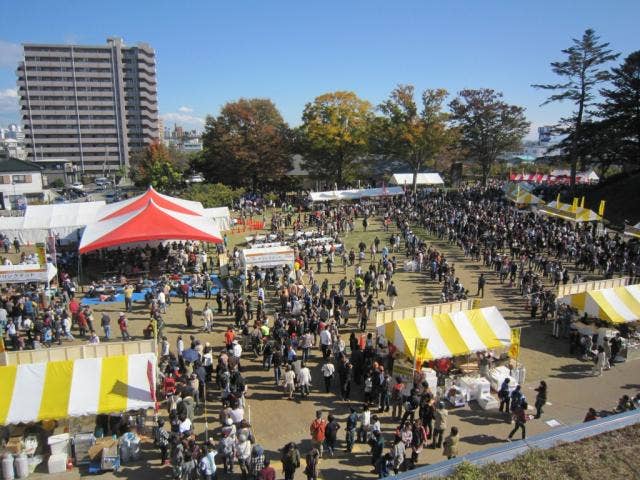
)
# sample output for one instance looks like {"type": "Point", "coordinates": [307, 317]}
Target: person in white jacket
{"type": "Point", "coordinates": [243, 454]}
{"type": "Point", "coordinates": [304, 378]}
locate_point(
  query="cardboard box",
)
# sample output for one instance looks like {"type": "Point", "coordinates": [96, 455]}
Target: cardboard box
{"type": "Point", "coordinates": [14, 445]}
{"type": "Point", "coordinates": [95, 451]}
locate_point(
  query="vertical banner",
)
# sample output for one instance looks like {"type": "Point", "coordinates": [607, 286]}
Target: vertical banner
{"type": "Point", "coordinates": [420, 351]}
{"type": "Point", "coordinates": [558, 200]}
{"type": "Point", "coordinates": [51, 246]}
{"type": "Point", "coordinates": [574, 205]}
{"type": "Point", "coordinates": [601, 208]}
{"type": "Point", "coordinates": [42, 256]}
{"type": "Point", "coordinates": [582, 202]}
{"type": "Point", "coordinates": [514, 350]}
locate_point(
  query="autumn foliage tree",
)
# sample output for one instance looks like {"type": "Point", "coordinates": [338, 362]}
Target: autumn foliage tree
{"type": "Point", "coordinates": [333, 137]}
{"type": "Point", "coordinates": [414, 134]}
{"type": "Point", "coordinates": [158, 166]}
{"type": "Point", "coordinates": [247, 144]}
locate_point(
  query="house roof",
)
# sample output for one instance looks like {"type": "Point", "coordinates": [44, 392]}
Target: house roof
{"type": "Point", "coordinates": [11, 164]}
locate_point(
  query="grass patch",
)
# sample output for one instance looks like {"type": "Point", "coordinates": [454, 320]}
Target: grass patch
{"type": "Point", "coordinates": [613, 454]}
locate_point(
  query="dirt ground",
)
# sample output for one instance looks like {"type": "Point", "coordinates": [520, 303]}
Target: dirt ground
{"type": "Point", "coordinates": [277, 421]}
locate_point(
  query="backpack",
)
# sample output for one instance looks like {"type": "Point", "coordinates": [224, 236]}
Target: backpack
{"type": "Point", "coordinates": [397, 390]}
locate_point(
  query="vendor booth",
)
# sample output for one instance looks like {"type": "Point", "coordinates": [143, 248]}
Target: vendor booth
{"type": "Point", "coordinates": [27, 273]}
{"type": "Point", "coordinates": [521, 197]}
{"type": "Point", "coordinates": [450, 334]}
{"type": "Point", "coordinates": [267, 257]}
{"type": "Point", "coordinates": [613, 305]}
{"type": "Point", "coordinates": [355, 194]}
{"type": "Point", "coordinates": [632, 231]}
{"type": "Point", "coordinates": [569, 212]}
{"type": "Point", "coordinates": [220, 217]}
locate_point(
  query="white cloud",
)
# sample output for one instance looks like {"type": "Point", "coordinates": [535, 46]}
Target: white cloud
{"type": "Point", "coordinates": [10, 54]}
{"type": "Point", "coordinates": [185, 109]}
{"type": "Point", "coordinates": [183, 119]}
{"type": "Point", "coordinates": [9, 100]}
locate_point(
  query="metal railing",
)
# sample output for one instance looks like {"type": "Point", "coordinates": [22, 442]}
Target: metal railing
{"type": "Point", "coordinates": [573, 288]}
{"type": "Point", "coordinates": [508, 452]}
{"type": "Point", "coordinates": [425, 310]}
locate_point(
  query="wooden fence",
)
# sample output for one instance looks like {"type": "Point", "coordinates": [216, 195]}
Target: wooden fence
{"type": "Point", "coordinates": [73, 352]}
{"type": "Point", "coordinates": [573, 288]}
{"type": "Point", "coordinates": [426, 310]}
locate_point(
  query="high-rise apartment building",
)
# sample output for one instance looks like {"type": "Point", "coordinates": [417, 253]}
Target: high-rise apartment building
{"type": "Point", "coordinates": [89, 105]}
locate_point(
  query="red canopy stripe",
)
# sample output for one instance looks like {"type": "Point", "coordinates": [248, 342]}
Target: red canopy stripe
{"type": "Point", "coordinates": [158, 199]}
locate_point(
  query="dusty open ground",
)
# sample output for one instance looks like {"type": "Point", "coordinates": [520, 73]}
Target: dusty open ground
{"type": "Point", "coordinates": [277, 421]}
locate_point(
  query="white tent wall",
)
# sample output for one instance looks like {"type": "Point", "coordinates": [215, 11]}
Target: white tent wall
{"type": "Point", "coordinates": [220, 216]}
{"type": "Point", "coordinates": [422, 179]}
{"type": "Point", "coordinates": [335, 195]}
{"type": "Point", "coordinates": [12, 227]}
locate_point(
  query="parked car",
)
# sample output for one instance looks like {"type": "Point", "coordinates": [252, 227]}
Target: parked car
{"type": "Point", "coordinates": [197, 178]}
{"type": "Point", "coordinates": [102, 182]}
{"type": "Point", "coordinates": [77, 186]}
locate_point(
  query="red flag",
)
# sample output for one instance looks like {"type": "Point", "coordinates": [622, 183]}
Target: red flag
{"type": "Point", "coordinates": [152, 383]}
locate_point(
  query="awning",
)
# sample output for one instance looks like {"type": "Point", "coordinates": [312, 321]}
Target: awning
{"type": "Point", "coordinates": [334, 195]}
{"type": "Point", "coordinates": [634, 231]}
{"type": "Point", "coordinates": [71, 388]}
{"type": "Point", "coordinates": [615, 305]}
{"type": "Point", "coordinates": [178, 205]}
{"type": "Point", "coordinates": [522, 197]}
{"type": "Point", "coordinates": [569, 213]}
{"type": "Point", "coordinates": [450, 334]}
{"type": "Point", "coordinates": [421, 179]}
{"type": "Point", "coordinates": [146, 224]}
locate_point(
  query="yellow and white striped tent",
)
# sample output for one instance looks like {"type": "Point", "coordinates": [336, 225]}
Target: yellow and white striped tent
{"type": "Point", "coordinates": [615, 305]}
{"type": "Point", "coordinates": [633, 231]}
{"type": "Point", "coordinates": [520, 197]}
{"type": "Point", "coordinates": [450, 334]}
{"type": "Point", "coordinates": [569, 213]}
{"type": "Point", "coordinates": [71, 388]}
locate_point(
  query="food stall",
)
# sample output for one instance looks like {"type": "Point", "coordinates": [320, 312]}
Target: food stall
{"type": "Point", "coordinates": [445, 342]}
{"type": "Point", "coordinates": [48, 407]}
{"type": "Point", "coordinates": [613, 310]}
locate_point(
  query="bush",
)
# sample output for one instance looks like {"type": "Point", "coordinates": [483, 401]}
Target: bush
{"type": "Point", "coordinates": [213, 195]}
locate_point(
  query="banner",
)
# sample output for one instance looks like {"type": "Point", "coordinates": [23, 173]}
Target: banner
{"type": "Point", "coordinates": [420, 352]}
{"type": "Point", "coordinates": [27, 273]}
{"type": "Point", "coordinates": [42, 256]}
{"type": "Point", "coordinates": [574, 205]}
{"type": "Point", "coordinates": [514, 351]}
{"type": "Point", "coordinates": [601, 207]}
{"type": "Point", "coordinates": [582, 202]}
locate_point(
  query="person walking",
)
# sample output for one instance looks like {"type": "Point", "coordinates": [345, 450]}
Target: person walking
{"type": "Point", "coordinates": [481, 283]}
{"type": "Point", "coordinates": [105, 322]}
{"type": "Point", "coordinates": [541, 397]}
{"type": "Point", "coordinates": [600, 362]}
{"type": "Point", "coordinates": [123, 323]}
{"type": "Point", "coordinates": [392, 293]}
{"type": "Point", "coordinates": [331, 434]}
{"type": "Point", "coordinates": [207, 466]}
{"type": "Point", "coordinates": [327, 372]}
{"type": "Point", "coordinates": [312, 459]}
{"type": "Point", "coordinates": [188, 314]}
{"type": "Point", "coordinates": [304, 379]}
{"type": "Point", "coordinates": [440, 425]}
{"type": "Point", "coordinates": [450, 444]}
{"type": "Point", "coordinates": [520, 418]}
{"type": "Point", "coordinates": [290, 460]}
{"type": "Point", "coordinates": [289, 382]}
{"type": "Point", "coordinates": [503, 395]}
{"type": "Point", "coordinates": [317, 430]}
{"type": "Point", "coordinates": [128, 298]}
{"type": "Point", "coordinates": [398, 453]}
{"type": "Point", "coordinates": [352, 426]}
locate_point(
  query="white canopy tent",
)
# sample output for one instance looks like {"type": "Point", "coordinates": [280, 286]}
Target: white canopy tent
{"type": "Point", "coordinates": [12, 227]}
{"type": "Point", "coordinates": [422, 179]}
{"type": "Point", "coordinates": [220, 216]}
{"type": "Point", "coordinates": [355, 194]}
{"type": "Point", "coordinates": [63, 220]}
{"type": "Point", "coordinates": [27, 273]}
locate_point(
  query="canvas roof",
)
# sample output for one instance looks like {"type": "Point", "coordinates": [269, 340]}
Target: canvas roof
{"type": "Point", "coordinates": [422, 179]}
{"type": "Point", "coordinates": [354, 194]}
{"type": "Point", "coordinates": [164, 201]}
{"type": "Point", "coordinates": [61, 215]}
{"type": "Point", "coordinates": [151, 222]}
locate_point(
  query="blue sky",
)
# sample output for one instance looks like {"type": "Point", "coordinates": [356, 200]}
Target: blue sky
{"type": "Point", "coordinates": [211, 52]}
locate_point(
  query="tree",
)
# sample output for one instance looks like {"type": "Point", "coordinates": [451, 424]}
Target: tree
{"type": "Point", "coordinates": [621, 107]}
{"type": "Point", "coordinates": [213, 195]}
{"type": "Point", "coordinates": [583, 71]}
{"type": "Point", "coordinates": [416, 137]}
{"type": "Point", "coordinates": [333, 137]}
{"type": "Point", "coordinates": [487, 125]}
{"type": "Point", "coordinates": [248, 144]}
{"type": "Point", "coordinates": [155, 166]}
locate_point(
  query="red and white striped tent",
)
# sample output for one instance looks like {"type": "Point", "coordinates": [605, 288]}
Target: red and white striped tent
{"type": "Point", "coordinates": [163, 201]}
{"type": "Point", "coordinates": [149, 222]}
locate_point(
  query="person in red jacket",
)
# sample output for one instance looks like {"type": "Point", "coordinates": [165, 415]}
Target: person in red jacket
{"type": "Point", "coordinates": [268, 472]}
{"type": "Point", "coordinates": [317, 430]}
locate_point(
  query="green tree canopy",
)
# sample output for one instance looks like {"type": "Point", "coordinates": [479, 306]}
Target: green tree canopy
{"type": "Point", "coordinates": [581, 70]}
{"type": "Point", "coordinates": [488, 126]}
{"type": "Point", "coordinates": [412, 135]}
{"type": "Point", "coordinates": [158, 166]}
{"type": "Point", "coordinates": [248, 144]}
{"type": "Point", "coordinates": [213, 195]}
{"type": "Point", "coordinates": [621, 107]}
{"type": "Point", "coordinates": [333, 137]}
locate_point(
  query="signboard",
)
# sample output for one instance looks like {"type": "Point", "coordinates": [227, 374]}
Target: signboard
{"type": "Point", "coordinates": [268, 259]}
{"type": "Point", "coordinates": [544, 134]}
{"type": "Point", "coordinates": [27, 273]}
{"type": "Point", "coordinates": [514, 351]}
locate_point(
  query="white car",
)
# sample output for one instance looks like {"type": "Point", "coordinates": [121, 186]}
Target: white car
{"type": "Point", "coordinates": [195, 179]}
{"type": "Point", "coordinates": [102, 182]}
{"type": "Point", "coordinates": [77, 186]}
